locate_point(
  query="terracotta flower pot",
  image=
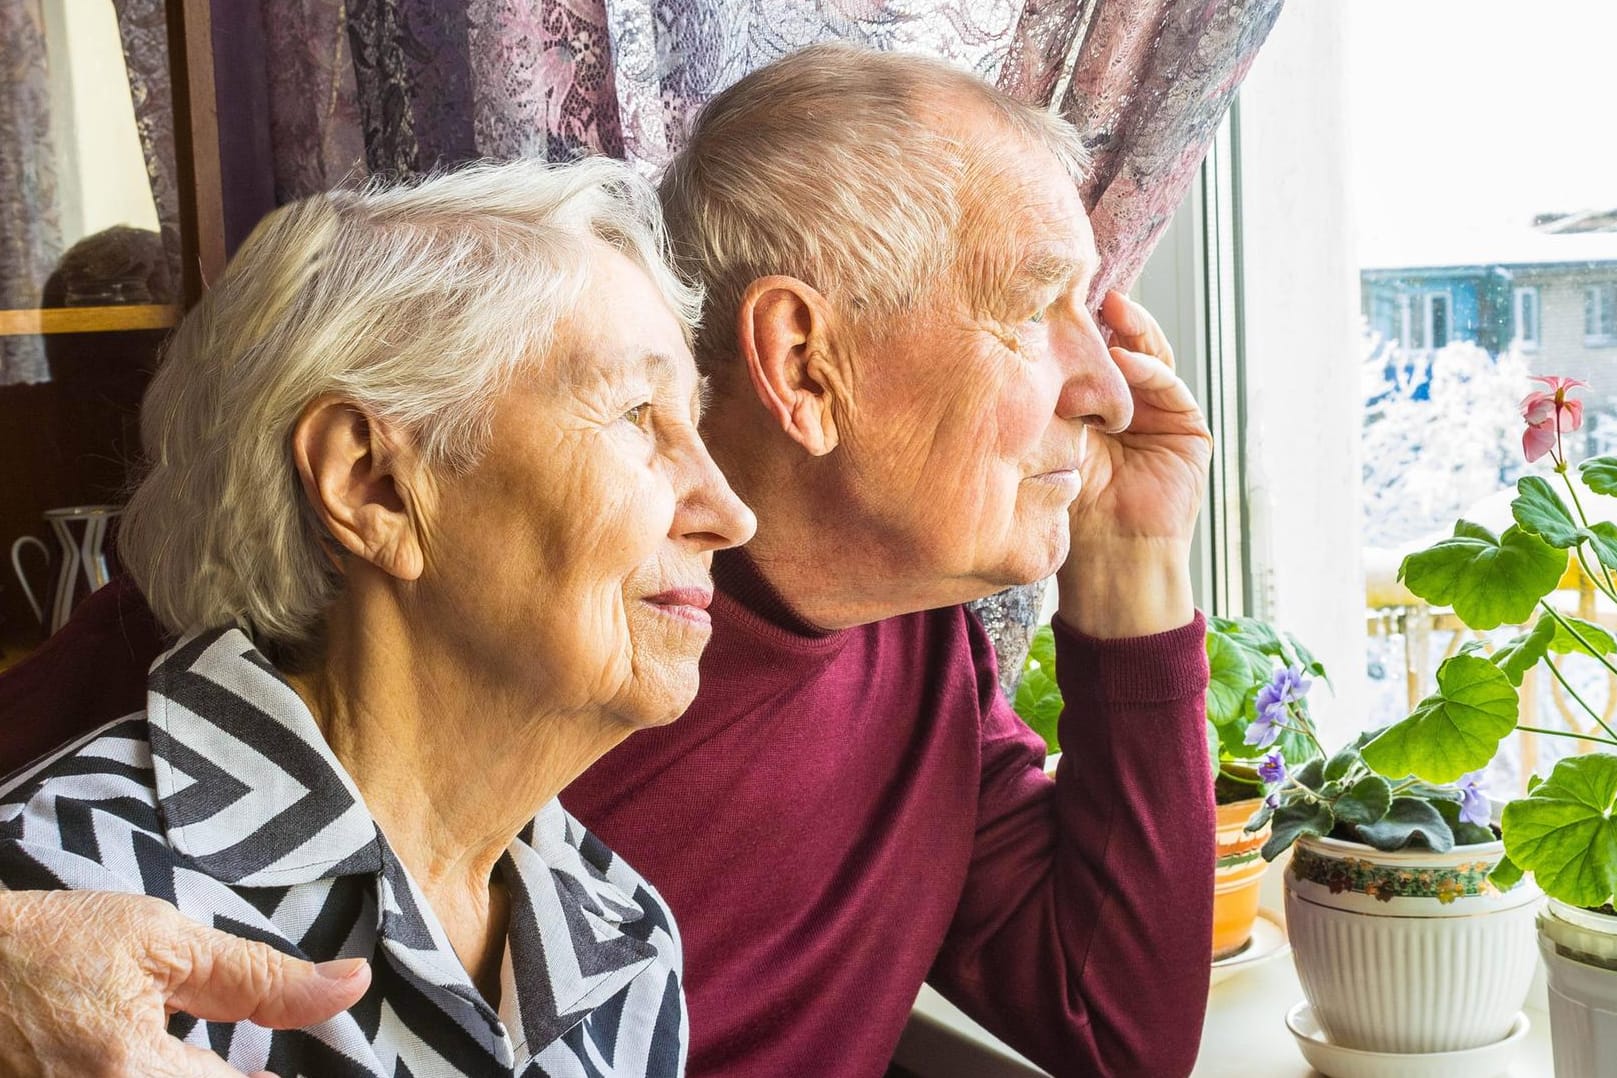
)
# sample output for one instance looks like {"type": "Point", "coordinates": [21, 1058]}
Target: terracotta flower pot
{"type": "Point", "coordinates": [1237, 877]}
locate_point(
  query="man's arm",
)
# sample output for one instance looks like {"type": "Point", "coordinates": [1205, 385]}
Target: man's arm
{"type": "Point", "coordinates": [1083, 936]}
{"type": "Point", "coordinates": [87, 982]}
{"type": "Point", "coordinates": [1084, 933]}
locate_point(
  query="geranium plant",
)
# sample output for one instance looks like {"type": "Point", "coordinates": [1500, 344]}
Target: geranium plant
{"type": "Point", "coordinates": [1563, 830]}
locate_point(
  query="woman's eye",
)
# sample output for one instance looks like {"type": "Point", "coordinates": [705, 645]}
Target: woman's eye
{"type": "Point", "coordinates": [1036, 316]}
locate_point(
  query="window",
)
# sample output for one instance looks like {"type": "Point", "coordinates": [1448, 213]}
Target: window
{"type": "Point", "coordinates": [1600, 314]}
{"type": "Point", "coordinates": [1425, 320]}
{"type": "Point", "coordinates": [1437, 319]}
{"type": "Point", "coordinates": [1473, 272]}
{"type": "Point", "coordinates": [1412, 329]}
{"type": "Point", "coordinates": [1524, 311]}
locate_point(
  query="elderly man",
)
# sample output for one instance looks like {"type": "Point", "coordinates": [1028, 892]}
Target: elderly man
{"type": "Point", "coordinates": [913, 395]}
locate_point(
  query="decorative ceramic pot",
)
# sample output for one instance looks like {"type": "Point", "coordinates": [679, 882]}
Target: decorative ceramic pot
{"type": "Point", "coordinates": [1410, 951]}
{"type": "Point", "coordinates": [1580, 955]}
{"type": "Point", "coordinates": [1237, 877]}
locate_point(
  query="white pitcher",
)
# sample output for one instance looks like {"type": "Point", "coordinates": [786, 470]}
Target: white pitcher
{"type": "Point", "coordinates": [81, 532]}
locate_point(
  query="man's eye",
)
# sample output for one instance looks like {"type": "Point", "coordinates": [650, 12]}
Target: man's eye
{"type": "Point", "coordinates": [637, 413]}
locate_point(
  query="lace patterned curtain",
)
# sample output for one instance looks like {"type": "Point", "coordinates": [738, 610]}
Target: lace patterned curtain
{"type": "Point", "coordinates": [30, 232]}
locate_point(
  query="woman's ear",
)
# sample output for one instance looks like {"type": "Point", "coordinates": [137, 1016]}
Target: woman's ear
{"type": "Point", "coordinates": [786, 336]}
{"type": "Point", "coordinates": [358, 484]}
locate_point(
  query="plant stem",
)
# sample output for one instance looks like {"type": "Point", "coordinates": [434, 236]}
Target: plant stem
{"type": "Point", "coordinates": [1583, 518]}
{"type": "Point", "coordinates": [1571, 629]}
{"type": "Point", "coordinates": [1581, 701]}
{"type": "Point", "coordinates": [1565, 733]}
{"type": "Point", "coordinates": [1604, 586]}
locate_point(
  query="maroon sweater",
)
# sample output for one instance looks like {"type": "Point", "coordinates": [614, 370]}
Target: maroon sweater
{"type": "Point", "coordinates": [843, 815]}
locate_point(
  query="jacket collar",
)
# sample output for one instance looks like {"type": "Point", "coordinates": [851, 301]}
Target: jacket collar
{"type": "Point", "coordinates": [254, 797]}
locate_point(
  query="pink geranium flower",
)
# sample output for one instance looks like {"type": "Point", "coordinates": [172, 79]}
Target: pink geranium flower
{"type": "Point", "coordinates": [1549, 413]}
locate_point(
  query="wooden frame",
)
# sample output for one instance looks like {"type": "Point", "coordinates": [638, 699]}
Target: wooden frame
{"type": "Point", "coordinates": [32, 321]}
{"type": "Point", "coordinates": [196, 144]}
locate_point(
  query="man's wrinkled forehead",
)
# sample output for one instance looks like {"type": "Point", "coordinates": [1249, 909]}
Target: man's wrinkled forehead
{"type": "Point", "coordinates": [1023, 225]}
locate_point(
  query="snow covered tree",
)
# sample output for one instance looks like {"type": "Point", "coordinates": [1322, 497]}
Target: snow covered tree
{"type": "Point", "coordinates": [1442, 429]}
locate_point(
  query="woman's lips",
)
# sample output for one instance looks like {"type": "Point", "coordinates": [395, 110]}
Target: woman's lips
{"type": "Point", "coordinates": [687, 604]}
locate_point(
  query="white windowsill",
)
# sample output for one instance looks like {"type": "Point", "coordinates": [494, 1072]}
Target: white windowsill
{"type": "Point", "coordinates": [1244, 1036]}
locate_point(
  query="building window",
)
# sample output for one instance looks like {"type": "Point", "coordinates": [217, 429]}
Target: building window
{"type": "Point", "coordinates": [1524, 302]}
{"type": "Point", "coordinates": [1437, 319]}
{"type": "Point", "coordinates": [1411, 328]}
{"type": "Point", "coordinates": [1600, 314]}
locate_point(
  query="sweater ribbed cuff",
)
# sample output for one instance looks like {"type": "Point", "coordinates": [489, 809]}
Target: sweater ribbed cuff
{"type": "Point", "coordinates": [1153, 669]}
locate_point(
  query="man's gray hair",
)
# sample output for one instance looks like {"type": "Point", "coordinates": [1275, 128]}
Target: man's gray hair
{"type": "Point", "coordinates": [826, 166]}
{"type": "Point", "coordinates": [416, 303]}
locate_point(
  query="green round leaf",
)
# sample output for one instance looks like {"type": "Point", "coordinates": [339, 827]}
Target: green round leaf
{"type": "Point", "coordinates": [1366, 803]}
{"type": "Point", "coordinates": [1230, 679]}
{"type": "Point", "coordinates": [1538, 509]}
{"type": "Point", "coordinates": [1409, 821]}
{"type": "Point", "coordinates": [1602, 536]}
{"type": "Point", "coordinates": [1038, 697]}
{"type": "Point", "coordinates": [1506, 874]}
{"type": "Point", "coordinates": [1521, 653]}
{"type": "Point", "coordinates": [1564, 832]}
{"type": "Point", "coordinates": [1455, 730]}
{"type": "Point", "coordinates": [1294, 819]}
{"type": "Point", "coordinates": [1489, 580]}
{"type": "Point", "coordinates": [1599, 641]}
{"type": "Point", "coordinates": [1600, 474]}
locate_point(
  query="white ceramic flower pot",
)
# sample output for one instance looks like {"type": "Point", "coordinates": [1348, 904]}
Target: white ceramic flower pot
{"type": "Point", "coordinates": [1411, 951]}
{"type": "Point", "coordinates": [1580, 955]}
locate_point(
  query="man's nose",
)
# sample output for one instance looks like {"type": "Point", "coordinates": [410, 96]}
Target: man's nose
{"type": "Point", "coordinates": [1093, 389]}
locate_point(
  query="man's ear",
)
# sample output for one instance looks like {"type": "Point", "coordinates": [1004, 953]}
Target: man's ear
{"type": "Point", "coordinates": [785, 332]}
{"type": "Point", "coordinates": [359, 485]}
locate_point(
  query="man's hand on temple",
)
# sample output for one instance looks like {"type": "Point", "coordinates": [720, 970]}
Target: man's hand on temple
{"type": "Point", "coordinates": [88, 981]}
{"type": "Point", "coordinates": [1128, 573]}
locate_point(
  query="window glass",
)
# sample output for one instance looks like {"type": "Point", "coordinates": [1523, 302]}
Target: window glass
{"type": "Point", "coordinates": [1469, 261]}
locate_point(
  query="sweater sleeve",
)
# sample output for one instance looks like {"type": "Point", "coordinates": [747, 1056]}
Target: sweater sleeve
{"type": "Point", "coordinates": [1083, 935]}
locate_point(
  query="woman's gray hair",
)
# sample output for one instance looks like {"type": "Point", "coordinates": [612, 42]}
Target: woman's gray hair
{"type": "Point", "coordinates": [418, 304]}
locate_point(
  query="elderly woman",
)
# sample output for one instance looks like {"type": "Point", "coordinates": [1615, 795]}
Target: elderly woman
{"type": "Point", "coordinates": [427, 504]}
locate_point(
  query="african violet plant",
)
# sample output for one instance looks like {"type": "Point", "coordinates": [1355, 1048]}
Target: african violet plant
{"type": "Point", "coordinates": [1252, 666]}
{"type": "Point", "coordinates": [1564, 830]}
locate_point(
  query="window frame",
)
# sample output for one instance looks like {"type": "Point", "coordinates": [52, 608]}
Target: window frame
{"type": "Point", "coordinates": [1602, 331]}
{"type": "Point", "coordinates": [1522, 341]}
{"type": "Point", "coordinates": [1192, 285]}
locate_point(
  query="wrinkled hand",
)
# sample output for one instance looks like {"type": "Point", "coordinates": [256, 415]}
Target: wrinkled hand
{"type": "Point", "coordinates": [88, 981]}
{"type": "Point", "coordinates": [1128, 573]}
{"type": "Point", "coordinates": [1147, 482]}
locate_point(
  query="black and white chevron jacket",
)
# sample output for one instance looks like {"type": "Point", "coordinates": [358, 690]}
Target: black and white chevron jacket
{"type": "Point", "coordinates": [224, 799]}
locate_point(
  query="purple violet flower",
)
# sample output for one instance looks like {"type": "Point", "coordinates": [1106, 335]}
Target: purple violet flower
{"type": "Point", "coordinates": [1474, 807]}
{"type": "Point", "coordinates": [1273, 769]}
{"type": "Point", "coordinates": [1286, 687]}
{"type": "Point", "coordinates": [1273, 801]}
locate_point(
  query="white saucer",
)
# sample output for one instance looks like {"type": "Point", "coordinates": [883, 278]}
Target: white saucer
{"type": "Point", "coordinates": [1489, 1061]}
{"type": "Point", "coordinates": [1268, 942]}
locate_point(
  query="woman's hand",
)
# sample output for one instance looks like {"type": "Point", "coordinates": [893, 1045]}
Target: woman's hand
{"type": "Point", "coordinates": [88, 981]}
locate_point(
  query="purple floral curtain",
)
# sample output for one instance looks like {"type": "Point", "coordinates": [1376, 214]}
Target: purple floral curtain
{"type": "Point", "coordinates": [1150, 86]}
{"type": "Point", "coordinates": [315, 132]}
{"type": "Point", "coordinates": [398, 87]}
{"type": "Point", "coordinates": [30, 231]}
{"type": "Point", "coordinates": [143, 29]}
